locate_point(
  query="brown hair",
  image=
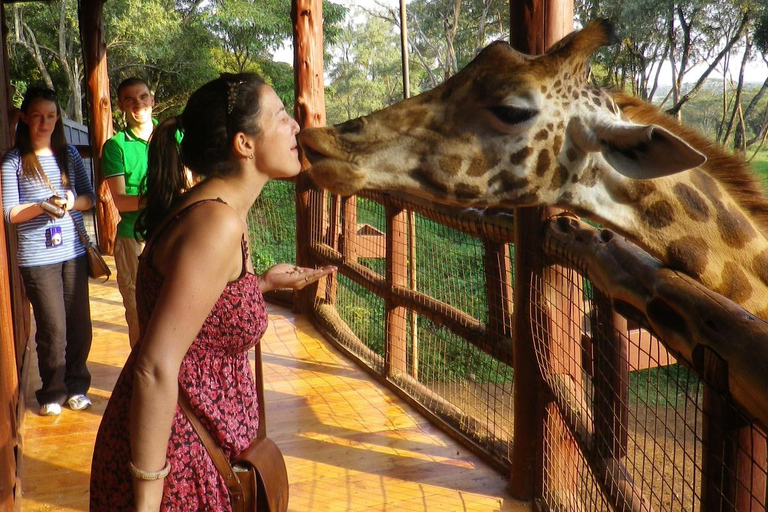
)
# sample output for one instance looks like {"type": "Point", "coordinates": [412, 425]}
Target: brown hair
{"type": "Point", "coordinates": [30, 165]}
{"type": "Point", "coordinates": [214, 114]}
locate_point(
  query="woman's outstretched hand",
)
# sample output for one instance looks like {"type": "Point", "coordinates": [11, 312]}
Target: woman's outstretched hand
{"type": "Point", "coordinates": [284, 275]}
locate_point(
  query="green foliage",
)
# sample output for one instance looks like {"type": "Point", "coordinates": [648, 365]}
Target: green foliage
{"type": "Point", "coordinates": [666, 386]}
{"type": "Point", "coordinates": [150, 39]}
{"type": "Point", "coordinates": [446, 39]}
{"type": "Point", "coordinates": [760, 165]}
{"type": "Point", "coordinates": [44, 49]}
{"type": "Point", "coordinates": [365, 71]}
{"type": "Point", "coordinates": [272, 226]}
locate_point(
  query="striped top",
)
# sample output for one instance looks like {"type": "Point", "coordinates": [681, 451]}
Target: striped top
{"type": "Point", "coordinates": [32, 249]}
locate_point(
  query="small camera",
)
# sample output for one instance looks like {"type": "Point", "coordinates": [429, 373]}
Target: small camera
{"type": "Point", "coordinates": [51, 205]}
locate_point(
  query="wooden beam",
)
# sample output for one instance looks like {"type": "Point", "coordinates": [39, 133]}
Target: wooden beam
{"type": "Point", "coordinates": [9, 384]}
{"type": "Point", "coordinates": [307, 18]}
{"type": "Point", "coordinates": [535, 25]}
{"type": "Point", "coordinates": [91, 14]}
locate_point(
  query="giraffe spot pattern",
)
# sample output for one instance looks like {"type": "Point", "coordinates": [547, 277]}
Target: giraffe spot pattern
{"type": "Point", "coordinates": [559, 177]}
{"type": "Point", "coordinates": [518, 157]}
{"type": "Point", "coordinates": [557, 144]}
{"type": "Point", "coordinates": [450, 165]}
{"type": "Point", "coordinates": [734, 228]}
{"type": "Point", "coordinates": [735, 284]}
{"type": "Point", "coordinates": [631, 192]}
{"type": "Point", "coordinates": [659, 214]}
{"type": "Point", "coordinates": [477, 167]}
{"type": "Point", "coordinates": [541, 135]}
{"type": "Point", "coordinates": [571, 155]}
{"type": "Point", "coordinates": [543, 162]}
{"type": "Point", "coordinates": [693, 204]}
{"type": "Point", "coordinates": [466, 191]}
{"type": "Point", "coordinates": [507, 183]}
{"type": "Point", "coordinates": [426, 180]}
{"type": "Point", "coordinates": [589, 177]}
{"type": "Point", "coordinates": [687, 255]}
{"type": "Point", "coordinates": [706, 184]}
{"type": "Point", "coordinates": [760, 267]}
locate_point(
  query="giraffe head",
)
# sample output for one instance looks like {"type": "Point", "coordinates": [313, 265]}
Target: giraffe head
{"type": "Point", "coordinates": [509, 129]}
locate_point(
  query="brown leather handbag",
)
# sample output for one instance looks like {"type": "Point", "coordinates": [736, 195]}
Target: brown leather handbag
{"type": "Point", "coordinates": [257, 480]}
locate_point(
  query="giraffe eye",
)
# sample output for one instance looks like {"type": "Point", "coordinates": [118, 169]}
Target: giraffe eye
{"type": "Point", "coordinates": [513, 115]}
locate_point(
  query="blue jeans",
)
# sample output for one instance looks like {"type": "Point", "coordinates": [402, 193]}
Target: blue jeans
{"type": "Point", "coordinates": [59, 297]}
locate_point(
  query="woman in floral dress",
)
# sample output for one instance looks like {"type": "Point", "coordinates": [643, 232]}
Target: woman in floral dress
{"type": "Point", "coordinates": [200, 303]}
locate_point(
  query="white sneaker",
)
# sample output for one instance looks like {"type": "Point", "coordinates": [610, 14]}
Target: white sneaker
{"type": "Point", "coordinates": [50, 410]}
{"type": "Point", "coordinates": [79, 402]}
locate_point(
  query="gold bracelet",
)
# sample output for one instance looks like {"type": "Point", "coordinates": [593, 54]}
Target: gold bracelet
{"type": "Point", "coordinates": [149, 475]}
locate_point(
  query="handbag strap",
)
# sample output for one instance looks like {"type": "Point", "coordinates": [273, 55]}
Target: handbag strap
{"type": "Point", "coordinates": [83, 237]}
{"type": "Point", "coordinates": [259, 382]}
{"type": "Point", "coordinates": [214, 450]}
{"type": "Point", "coordinates": [217, 455]}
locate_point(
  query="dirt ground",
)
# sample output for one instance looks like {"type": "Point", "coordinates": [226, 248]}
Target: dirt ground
{"type": "Point", "coordinates": [663, 449]}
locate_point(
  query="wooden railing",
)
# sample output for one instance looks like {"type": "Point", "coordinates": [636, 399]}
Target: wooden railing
{"type": "Point", "coordinates": [602, 313]}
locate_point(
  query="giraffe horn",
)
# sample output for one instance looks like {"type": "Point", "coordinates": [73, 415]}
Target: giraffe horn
{"type": "Point", "coordinates": [582, 43]}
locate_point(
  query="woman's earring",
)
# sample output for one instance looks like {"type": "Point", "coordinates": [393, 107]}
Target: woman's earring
{"type": "Point", "coordinates": [250, 157]}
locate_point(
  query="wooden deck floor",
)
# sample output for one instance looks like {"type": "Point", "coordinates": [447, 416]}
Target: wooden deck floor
{"type": "Point", "coordinates": [349, 444]}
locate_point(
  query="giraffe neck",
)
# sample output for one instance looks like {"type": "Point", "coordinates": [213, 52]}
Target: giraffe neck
{"type": "Point", "coordinates": [692, 224]}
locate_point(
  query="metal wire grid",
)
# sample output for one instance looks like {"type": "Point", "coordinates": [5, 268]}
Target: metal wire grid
{"type": "Point", "coordinates": [634, 413]}
{"type": "Point", "coordinates": [656, 423]}
{"type": "Point", "coordinates": [469, 389]}
{"type": "Point", "coordinates": [272, 226]}
{"type": "Point", "coordinates": [363, 312]}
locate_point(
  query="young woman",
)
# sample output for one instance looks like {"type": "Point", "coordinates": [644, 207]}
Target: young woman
{"type": "Point", "coordinates": [52, 258]}
{"type": "Point", "coordinates": [200, 304]}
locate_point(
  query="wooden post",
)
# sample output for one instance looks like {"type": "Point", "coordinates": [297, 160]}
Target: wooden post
{"type": "Point", "coordinates": [307, 18]}
{"type": "Point", "coordinates": [734, 461]}
{"type": "Point", "coordinates": [535, 26]}
{"type": "Point", "coordinates": [9, 384]}
{"type": "Point", "coordinates": [498, 288]}
{"type": "Point", "coordinates": [396, 275]}
{"type": "Point", "coordinates": [91, 14]}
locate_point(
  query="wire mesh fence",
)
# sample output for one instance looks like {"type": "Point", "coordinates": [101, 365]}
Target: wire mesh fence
{"type": "Point", "coordinates": [634, 427]}
{"type": "Point", "coordinates": [629, 425]}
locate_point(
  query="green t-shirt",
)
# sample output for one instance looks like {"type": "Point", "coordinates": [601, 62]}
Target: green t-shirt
{"type": "Point", "coordinates": [125, 154]}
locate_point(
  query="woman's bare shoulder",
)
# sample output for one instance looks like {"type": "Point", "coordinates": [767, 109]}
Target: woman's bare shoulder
{"type": "Point", "coordinates": [209, 235]}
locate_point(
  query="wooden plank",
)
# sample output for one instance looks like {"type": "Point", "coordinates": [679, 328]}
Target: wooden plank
{"type": "Point", "coordinates": [349, 444]}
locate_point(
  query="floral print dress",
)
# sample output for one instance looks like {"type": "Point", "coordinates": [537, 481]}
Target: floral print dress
{"type": "Point", "coordinates": [216, 375]}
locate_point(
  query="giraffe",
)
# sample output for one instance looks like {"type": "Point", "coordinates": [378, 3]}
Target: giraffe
{"type": "Point", "coordinates": [513, 130]}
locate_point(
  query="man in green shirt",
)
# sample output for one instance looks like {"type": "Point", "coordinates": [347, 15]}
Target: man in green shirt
{"type": "Point", "coordinates": [124, 165]}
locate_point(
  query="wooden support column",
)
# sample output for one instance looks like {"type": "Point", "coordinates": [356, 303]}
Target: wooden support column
{"type": "Point", "coordinates": [535, 25]}
{"type": "Point", "coordinates": [9, 383]}
{"type": "Point", "coordinates": [91, 15]}
{"type": "Point", "coordinates": [530, 399]}
{"type": "Point", "coordinates": [395, 358]}
{"type": "Point", "coordinates": [498, 288]}
{"type": "Point", "coordinates": [734, 461]}
{"type": "Point", "coordinates": [307, 18]}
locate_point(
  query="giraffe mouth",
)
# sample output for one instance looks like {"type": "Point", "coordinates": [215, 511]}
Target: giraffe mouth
{"type": "Point", "coordinates": [330, 170]}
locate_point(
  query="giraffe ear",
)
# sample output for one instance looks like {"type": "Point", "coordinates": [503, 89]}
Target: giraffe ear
{"type": "Point", "coordinates": [638, 151]}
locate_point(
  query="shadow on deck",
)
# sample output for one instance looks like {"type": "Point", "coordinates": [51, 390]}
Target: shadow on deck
{"type": "Point", "coordinates": [349, 444]}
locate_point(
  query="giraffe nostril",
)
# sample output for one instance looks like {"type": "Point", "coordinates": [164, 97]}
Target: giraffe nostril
{"type": "Point", "coordinates": [563, 223]}
{"type": "Point", "coordinates": [606, 235]}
